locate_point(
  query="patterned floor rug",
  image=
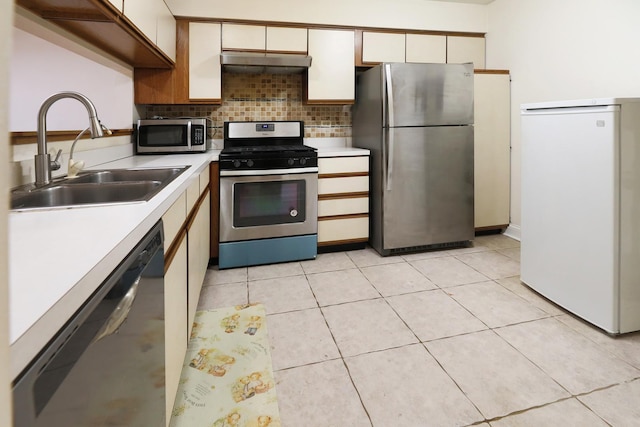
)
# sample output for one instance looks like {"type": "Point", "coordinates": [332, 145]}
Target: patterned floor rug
{"type": "Point", "coordinates": [227, 377]}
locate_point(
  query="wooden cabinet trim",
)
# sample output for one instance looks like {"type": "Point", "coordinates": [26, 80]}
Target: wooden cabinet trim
{"type": "Point", "coordinates": [170, 254]}
{"type": "Point", "coordinates": [30, 137]}
{"type": "Point", "coordinates": [480, 71]}
{"type": "Point", "coordinates": [343, 242]}
{"type": "Point", "coordinates": [214, 189]}
{"type": "Point", "coordinates": [341, 175]}
{"type": "Point", "coordinates": [334, 196]}
{"type": "Point", "coordinates": [346, 216]}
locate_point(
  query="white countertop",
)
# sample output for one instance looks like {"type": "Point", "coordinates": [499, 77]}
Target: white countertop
{"type": "Point", "coordinates": [59, 257]}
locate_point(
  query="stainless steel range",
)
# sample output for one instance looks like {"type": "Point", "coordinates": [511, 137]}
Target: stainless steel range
{"type": "Point", "coordinates": [268, 194]}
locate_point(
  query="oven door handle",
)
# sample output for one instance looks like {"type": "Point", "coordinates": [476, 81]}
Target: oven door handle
{"type": "Point", "coordinates": [264, 172]}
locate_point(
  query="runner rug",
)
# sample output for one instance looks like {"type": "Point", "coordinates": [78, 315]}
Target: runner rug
{"type": "Point", "coordinates": [227, 378]}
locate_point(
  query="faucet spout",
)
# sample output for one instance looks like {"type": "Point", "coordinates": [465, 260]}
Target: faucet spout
{"type": "Point", "coordinates": [43, 164]}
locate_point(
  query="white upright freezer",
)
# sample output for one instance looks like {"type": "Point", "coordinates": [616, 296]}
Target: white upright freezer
{"type": "Point", "coordinates": [581, 208]}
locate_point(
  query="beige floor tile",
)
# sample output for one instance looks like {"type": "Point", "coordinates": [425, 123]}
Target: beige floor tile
{"type": "Point", "coordinates": [496, 241]}
{"type": "Point", "coordinates": [425, 255]}
{"type": "Point", "coordinates": [396, 279]}
{"type": "Point", "coordinates": [368, 256]}
{"type": "Point", "coordinates": [406, 387]}
{"type": "Point", "coordinates": [433, 314]}
{"type": "Point", "coordinates": [282, 294]}
{"type": "Point", "coordinates": [226, 295]}
{"type": "Point", "coordinates": [492, 264]}
{"type": "Point", "coordinates": [214, 276]}
{"type": "Point", "coordinates": [617, 405]}
{"type": "Point", "coordinates": [299, 338]}
{"type": "Point", "coordinates": [517, 287]}
{"type": "Point", "coordinates": [575, 362]}
{"type": "Point", "coordinates": [625, 347]}
{"type": "Point", "coordinates": [496, 377]}
{"type": "Point", "coordinates": [319, 395]}
{"type": "Point", "coordinates": [337, 287]}
{"type": "Point", "coordinates": [448, 271]}
{"type": "Point", "coordinates": [566, 413]}
{"type": "Point", "coordinates": [494, 305]}
{"type": "Point", "coordinates": [513, 253]}
{"type": "Point", "coordinates": [260, 272]}
{"type": "Point", "coordinates": [365, 326]}
{"type": "Point", "coordinates": [328, 262]}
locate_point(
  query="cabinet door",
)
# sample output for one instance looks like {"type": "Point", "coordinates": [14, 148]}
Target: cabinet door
{"type": "Point", "coordinates": [491, 150]}
{"type": "Point", "coordinates": [166, 31]}
{"type": "Point", "coordinates": [243, 37]}
{"type": "Point", "coordinates": [424, 48]}
{"type": "Point", "coordinates": [283, 39]}
{"type": "Point", "coordinates": [462, 49]}
{"type": "Point", "coordinates": [175, 309]}
{"type": "Point", "coordinates": [143, 14]}
{"type": "Point", "coordinates": [383, 47]}
{"type": "Point", "coordinates": [119, 4]}
{"type": "Point", "coordinates": [204, 61]}
{"type": "Point", "coordinates": [198, 250]}
{"type": "Point", "coordinates": [331, 77]}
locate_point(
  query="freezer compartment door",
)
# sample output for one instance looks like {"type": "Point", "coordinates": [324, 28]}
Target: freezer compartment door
{"type": "Point", "coordinates": [427, 186]}
{"type": "Point", "coordinates": [428, 94]}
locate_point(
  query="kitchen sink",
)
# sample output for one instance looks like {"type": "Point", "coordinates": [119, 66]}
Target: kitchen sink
{"type": "Point", "coordinates": [111, 186]}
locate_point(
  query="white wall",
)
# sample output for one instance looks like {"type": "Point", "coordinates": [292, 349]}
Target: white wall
{"type": "Point", "coordinates": [568, 49]}
{"type": "Point", "coordinates": [6, 13]}
{"type": "Point", "coordinates": [409, 14]}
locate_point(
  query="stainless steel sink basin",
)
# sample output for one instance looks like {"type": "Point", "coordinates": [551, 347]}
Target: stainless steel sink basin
{"type": "Point", "coordinates": [111, 186]}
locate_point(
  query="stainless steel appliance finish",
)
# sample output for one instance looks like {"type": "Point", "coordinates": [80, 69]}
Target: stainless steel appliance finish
{"type": "Point", "coordinates": [417, 120]}
{"type": "Point", "coordinates": [264, 63]}
{"type": "Point", "coordinates": [109, 358]}
{"type": "Point", "coordinates": [180, 135]}
{"type": "Point", "coordinates": [268, 194]}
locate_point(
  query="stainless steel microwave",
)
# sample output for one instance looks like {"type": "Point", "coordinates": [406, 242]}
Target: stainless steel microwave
{"type": "Point", "coordinates": [163, 136]}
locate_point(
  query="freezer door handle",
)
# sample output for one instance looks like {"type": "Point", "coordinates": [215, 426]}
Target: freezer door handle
{"type": "Point", "coordinates": [389, 159]}
{"type": "Point", "coordinates": [389, 97]}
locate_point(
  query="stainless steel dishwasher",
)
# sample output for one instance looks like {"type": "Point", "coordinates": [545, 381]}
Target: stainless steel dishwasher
{"type": "Point", "coordinates": [106, 365]}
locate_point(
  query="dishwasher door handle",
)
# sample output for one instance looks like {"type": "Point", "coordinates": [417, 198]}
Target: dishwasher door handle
{"type": "Point", "coordinates": [119, 314]}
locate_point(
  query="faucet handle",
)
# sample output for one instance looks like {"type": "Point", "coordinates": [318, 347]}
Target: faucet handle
{"type": "Point", "coordinates": [55, 164]}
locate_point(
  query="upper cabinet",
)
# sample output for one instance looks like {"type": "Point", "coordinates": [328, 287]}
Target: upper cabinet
{"type": "Point", "coordinates": [154, 19]}
{"type": "Point", "coordinates": [205, 71]}
{"type": "Point", "coordinates": [382, 47]}
{"type": "Point", "coordinates": [466, 49]}
{"type": "Point", "coordinates": [331, 77]}
{"type": "Point", "coordinates": [426, 48]}
{"type": "Point", "coordinates": [132, 39]}
{"type": "Point", "coordinates": [260, 38]}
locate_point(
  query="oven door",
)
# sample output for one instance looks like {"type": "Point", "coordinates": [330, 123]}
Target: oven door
{"type": "Point", "coordinates": [268, 204]}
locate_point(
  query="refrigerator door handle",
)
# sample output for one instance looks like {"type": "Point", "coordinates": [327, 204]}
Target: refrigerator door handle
{"type": "Point", "coordinates": [389, 159]}
{"type": "Point", "coordinates": [389, 97]}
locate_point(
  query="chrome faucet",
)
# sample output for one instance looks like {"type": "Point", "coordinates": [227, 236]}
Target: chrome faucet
{"type": "Point", "coordinates": [43, 163]}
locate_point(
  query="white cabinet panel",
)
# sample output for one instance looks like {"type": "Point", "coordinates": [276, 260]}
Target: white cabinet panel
{"type": "Point", "coordinates": [173, 219]}
{"type": "Point", "coordinates": [466, 49]}
{"type": "Point", "coordinates": [166, 31]}
{"type": "Point", "coordinates": [286, 39]}
{"type": "Point", "coordinates": [347, 164]}
{"type": "Point", "coordinates": [350, 184]}
{"type": "Point", "coordinates": [204, 180]}
{"type": "Point", "coordinates": [491, 149]}
{"type": "Point", "coordinates": [143, 14]}
{"type": "Point", "coordinates": [204, 61]}
{"type": "Point", "coordinates": [383, 47]}
{"type": "Point", "coordinates": [193, 192]}
{"type": "Point", "coordinates": [424, 48]}
{"type": "Point", "coordinates": [243, 37]}
{"type": "Point", "coordinates": [343, 229]}
{"type": "Point", "coordinates": [332, 71]}
{"type": "Point", "coordinates": [119, 4]}
{"type": "Point", "coordinates": [198, 244]}
{"type": "Point", "coordinates": [347, 206]}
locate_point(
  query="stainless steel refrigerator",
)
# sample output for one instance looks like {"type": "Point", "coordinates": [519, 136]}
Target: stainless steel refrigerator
{"type": "Point", "coordinates": [417, 120]}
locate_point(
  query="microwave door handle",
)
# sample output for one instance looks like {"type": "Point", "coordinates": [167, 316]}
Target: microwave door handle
{"type": "Point", "coordinates": [189, 134]}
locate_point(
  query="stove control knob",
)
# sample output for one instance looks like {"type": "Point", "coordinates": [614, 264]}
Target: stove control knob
{"type": "Point", "coordinates": [249, 162]}
{"type": "Point", "coordinates": [303, 161]}
{"type": "Point", "coordinates": [290, 162]}
{"type": "Point", "coordinates": [236, 163]}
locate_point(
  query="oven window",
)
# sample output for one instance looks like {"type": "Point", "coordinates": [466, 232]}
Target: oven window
{"type": "Point", "coordinates": [268, 203]}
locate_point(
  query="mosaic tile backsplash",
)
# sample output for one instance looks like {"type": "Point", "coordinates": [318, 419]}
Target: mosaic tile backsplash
{"type": "Point", "coordinates": [265, 97]}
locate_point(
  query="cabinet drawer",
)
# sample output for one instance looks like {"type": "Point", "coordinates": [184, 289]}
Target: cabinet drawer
{"type": "Point", "coordinates": [204, 180]}
{"type": "Point", "coordinates": [341, 185]}
{"type": "Point", "coordinates": [346, 206]}
{"type": "Point", "coordinates": [193, 192]}
{"type": "Point", "coordinates": [287, 39]}
{"type": "Point", "coordinates": [173, 219]}
{"type": "Point", "coordinates": [239, 36]}
{"type": "Point", "coordinates": [343, 164]}
{"type": "Point", "coordinates": [343, 229]}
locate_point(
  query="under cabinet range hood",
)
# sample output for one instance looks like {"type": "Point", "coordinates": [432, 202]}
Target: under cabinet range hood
{"type": "Point", "coordinates": [264, 63]}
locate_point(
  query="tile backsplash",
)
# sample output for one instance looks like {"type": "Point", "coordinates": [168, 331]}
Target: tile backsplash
{"type": "Point", "coordinates": [265, 97]}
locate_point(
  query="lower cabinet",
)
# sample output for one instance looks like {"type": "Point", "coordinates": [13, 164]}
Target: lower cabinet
{"type": "Point", "coordinates": [186, 227]}
{"type": "Point", "coordinates": [343, 201]}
